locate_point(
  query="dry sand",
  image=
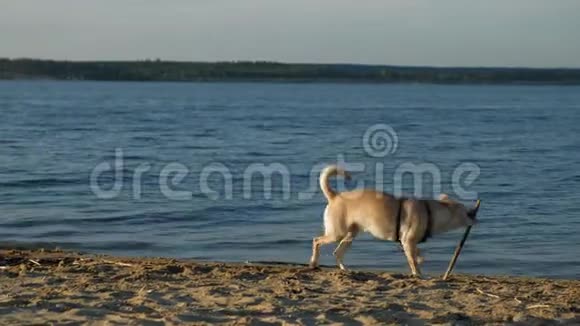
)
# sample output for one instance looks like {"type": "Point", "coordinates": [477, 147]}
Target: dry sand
{"type": "Point", "coordinates": [41, 287]}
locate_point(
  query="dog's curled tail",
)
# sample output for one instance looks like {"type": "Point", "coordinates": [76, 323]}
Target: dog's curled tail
{"type": "Point", "coordinates": [328, 172]}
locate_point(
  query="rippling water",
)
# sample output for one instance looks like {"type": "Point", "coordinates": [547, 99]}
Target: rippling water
{"type": "Point", "coordinates": [525, 140]}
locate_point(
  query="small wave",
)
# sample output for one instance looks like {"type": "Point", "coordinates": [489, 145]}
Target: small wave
{"type": "Point", "coordinates": [78, 129]}
{"type": "Point", "coordinates": [252, 244]}
{"type": "Point", "coordinates": [301, 133]}
{"type": "Point", "coordinates": [259, 154]}
{"type": "Point", "coordinates": [17, 245]}
{"type": "Point", "coordinates": [281, 142]}
{"type": "Point", "coordinates": [55, 234]}
{"type": "Point", "coordinates": [48, 182]}
{"type": "Point", "coordinates": [215, 213]}
{"type": "Point", "coordinates": [82, 246]}
{"type": "Point", "coordinates": [29, 223]}
{"type": "Point", "coordinates": [131, 219]}
{"type": "Point", "coordinates": [144, 138]}
{"type": "Point", "coordinates": [206, 133]}
{"type": "Point", "coordinates": [110, 157]}
{"type": "Point", "coordinates": [572, 178]}
{"type": "Point", "coordinates": [121, 245]}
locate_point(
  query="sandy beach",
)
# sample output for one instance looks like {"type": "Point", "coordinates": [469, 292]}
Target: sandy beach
{"type": "Point", "coordinates": [66, 288]}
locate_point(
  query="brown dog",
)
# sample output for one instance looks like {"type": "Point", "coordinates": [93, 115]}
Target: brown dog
{"type": "Point", "coordinates": [407, 220]}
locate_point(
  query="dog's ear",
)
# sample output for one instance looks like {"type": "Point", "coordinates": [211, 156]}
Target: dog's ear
{"type": "Point", "coordinates": [444, 200]}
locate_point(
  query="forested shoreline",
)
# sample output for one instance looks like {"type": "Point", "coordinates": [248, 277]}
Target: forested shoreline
{"type": "Point", "coordinates": [157, 70]}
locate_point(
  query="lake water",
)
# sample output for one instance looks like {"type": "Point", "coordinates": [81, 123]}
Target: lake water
{"type": "Point", "coordinates": [525, 141]}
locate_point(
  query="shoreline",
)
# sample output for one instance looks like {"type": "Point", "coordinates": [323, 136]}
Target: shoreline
{"type": "Point", "coordinates": [268, 71]}
{"type": "Point", "coordinates": [290, 81]}
{"type": "Point", "coordinates": [39, 286]}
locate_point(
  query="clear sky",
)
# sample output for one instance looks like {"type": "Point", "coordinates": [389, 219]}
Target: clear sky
{"type": "Point", "coordinates": [536, 33]}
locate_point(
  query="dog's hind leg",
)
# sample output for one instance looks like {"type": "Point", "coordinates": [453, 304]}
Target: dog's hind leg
{"type": "Point", "coordinates": [342, 248]}
{"type": "Point", "coordinates": [316, 243]}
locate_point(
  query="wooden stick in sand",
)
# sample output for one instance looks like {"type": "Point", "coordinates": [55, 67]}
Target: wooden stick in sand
{"type": "Point", "coordinates": [460, 245]}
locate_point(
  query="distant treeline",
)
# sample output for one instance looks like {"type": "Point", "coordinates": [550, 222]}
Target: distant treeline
{"type": "Point", "coordinates": [157, 70]}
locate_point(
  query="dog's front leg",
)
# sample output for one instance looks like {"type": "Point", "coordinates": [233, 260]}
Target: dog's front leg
{"type": "Point", "coordinates": [411, 252]}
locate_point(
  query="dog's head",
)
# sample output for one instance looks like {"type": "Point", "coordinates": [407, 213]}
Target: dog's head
{"type": "Point", "coordinates": [459, 214]}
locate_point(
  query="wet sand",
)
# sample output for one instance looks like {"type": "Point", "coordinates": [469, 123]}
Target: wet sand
{"type": "Point", "coordinates": [67, 288]}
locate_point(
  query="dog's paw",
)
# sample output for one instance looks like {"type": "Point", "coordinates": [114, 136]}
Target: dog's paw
{"type": "Point", "coordinates": [343, 269]}
{"type": "Point", "coordinates": [313, 266]}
